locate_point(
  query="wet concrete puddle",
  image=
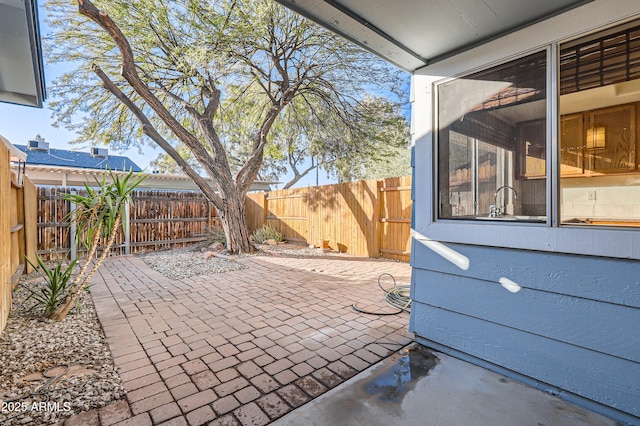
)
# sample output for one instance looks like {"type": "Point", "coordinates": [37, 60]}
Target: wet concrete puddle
{"type": "Point", "coordinates": [399, 376]}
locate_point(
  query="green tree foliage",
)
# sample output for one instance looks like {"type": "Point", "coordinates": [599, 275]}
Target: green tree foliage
{"type": "Point", "coordinates": [217, 77]}
{"type": "Point", "coordinates": [379, 149]}
{"type": "Point", "coordinates": [386, 153]}
{"type": "Point", "coordinates": [163, 163]}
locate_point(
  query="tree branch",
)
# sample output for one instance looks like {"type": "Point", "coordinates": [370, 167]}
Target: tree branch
{"type": "Point", "coordinates": [130, 74]}
{"type": "Point", "coordinates": [250, 170]}
{"type": "Point", "coordinates": [299, 175]}
{"type": "Point", "coordinates": [150, 131]}
{"type": "Point", "coordinates": [213, 95]}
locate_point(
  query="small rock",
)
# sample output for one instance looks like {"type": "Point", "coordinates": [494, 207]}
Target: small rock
{"type": "Point", "coordinates": [216, 247]}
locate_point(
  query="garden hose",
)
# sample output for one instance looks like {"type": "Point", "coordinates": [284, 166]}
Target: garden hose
{"type": "Point", "coordinates": [40, 390]}
{"type": "Point", "coordinates": [397, 296]}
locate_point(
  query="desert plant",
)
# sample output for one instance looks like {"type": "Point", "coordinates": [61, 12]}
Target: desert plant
{"type": "Point", "coordinates": [267, 232]}
{"type": "Point", "coordinates": [99, 213]}
{"type": "Point", "coordinates": [58, 280]}
{"type": "Point", "coordinates": [215, 234]}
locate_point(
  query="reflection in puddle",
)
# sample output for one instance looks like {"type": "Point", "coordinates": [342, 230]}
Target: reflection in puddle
{"type": "Point", "coordinates": [398, 377]}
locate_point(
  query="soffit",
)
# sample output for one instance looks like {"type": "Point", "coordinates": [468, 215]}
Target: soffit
{"type": "Point", "coordinates": [415, 33]}
{"type": "Point", "coordinates": [21, 66]}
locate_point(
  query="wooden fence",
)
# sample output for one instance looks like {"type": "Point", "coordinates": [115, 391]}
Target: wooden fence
{"type": "Point", "coordinates": [156, 220]}
{"type": "Point", "coordinates": [17, 231]}
{"type": "Point", "coordinates": [366, 218]}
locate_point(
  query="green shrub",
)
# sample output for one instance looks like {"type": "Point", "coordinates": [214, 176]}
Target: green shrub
{"type": "Point", "coordinates": [58, 282]}
{"type": "Point", "coordinates": [267, 232]}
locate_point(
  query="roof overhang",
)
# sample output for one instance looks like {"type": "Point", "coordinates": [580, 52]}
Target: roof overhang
{"type": "Point", "coordinates": [21, 64]}
{"type": "Point", "coordinates": [415, 33]}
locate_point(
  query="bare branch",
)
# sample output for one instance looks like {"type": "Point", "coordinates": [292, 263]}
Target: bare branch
{"type": "Point", "coordinates": [151, 131]}
{"type": "Point", "coordinates": [129, 72]}
{"type": "Point", "coordinates": [299, 176]}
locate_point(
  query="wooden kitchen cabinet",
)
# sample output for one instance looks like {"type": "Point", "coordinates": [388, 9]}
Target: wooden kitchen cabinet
{"type": "Point", "coordinates": [614, 153]}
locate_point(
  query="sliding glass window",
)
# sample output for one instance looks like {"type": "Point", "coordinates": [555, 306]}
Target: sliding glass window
{"type": "Point", "coordinates": [492, 143]}
{"type": "Point", "coordinates": [599, 117]}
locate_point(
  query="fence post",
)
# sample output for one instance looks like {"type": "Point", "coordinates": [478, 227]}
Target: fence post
{"type": "Point", "coordinates": [126, 227]}
{"type": "Point", "coordinates": [265, 208]}
{"type": "Point", "coordinates": [30, 221]}
{"type": "Point", "coordinates": [73, 247]}
{"type": "Point", "coordinates": [377, 214]}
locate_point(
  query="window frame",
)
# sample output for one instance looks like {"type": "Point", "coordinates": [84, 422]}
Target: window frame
{"type": "Point", "coordinates": [549, 236]}
{"type": "Point", "coordinates": [551, 90]}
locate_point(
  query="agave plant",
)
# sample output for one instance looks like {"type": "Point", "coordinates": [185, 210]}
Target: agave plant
{"type": "Point", "coordinates": [57, 280]}
{"type": "Point", "coordinates": [267, 232]}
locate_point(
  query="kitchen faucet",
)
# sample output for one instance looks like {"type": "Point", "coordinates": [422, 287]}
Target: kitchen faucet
{"type": "Point", "coordinates": [494, 210]}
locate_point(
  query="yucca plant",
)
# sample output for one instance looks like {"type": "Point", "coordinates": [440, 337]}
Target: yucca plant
{"type": "Point", "coordinates": [57, 280]}
{"type": "Point", "coordinates": [99, 213]}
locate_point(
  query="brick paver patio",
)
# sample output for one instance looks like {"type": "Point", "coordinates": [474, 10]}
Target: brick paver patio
{"type": "Point", "coordinates": [242, 347]}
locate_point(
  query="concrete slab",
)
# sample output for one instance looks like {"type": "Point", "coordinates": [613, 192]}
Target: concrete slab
{"type": "Point", "coordinates": [417, 386]}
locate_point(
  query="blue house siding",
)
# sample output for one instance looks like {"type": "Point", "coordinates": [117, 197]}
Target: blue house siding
{"type": "Point", "coordinates": [574, 324]}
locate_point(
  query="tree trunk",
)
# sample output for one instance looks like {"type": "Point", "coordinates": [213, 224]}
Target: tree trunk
{"type": "Point", "coordinates": [234, 224]}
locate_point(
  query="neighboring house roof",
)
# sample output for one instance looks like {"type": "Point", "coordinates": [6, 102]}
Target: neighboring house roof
{"type": "Point", "coordinates": [76, 177]}
{"type": "Point", "coordinates": [21, 64]}
{"type": "Point", "coordinates": [77, 159]}
{"type": "Point", "coordinates": [415, 33]}
{"type": "Point", "coordinates": [61, 167]}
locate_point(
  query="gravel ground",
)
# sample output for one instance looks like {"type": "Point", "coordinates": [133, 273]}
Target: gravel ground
{"type": "Point", "coordinates": [297, 250]}
{"type": "Point", "coordinates": [31, 345]}
{"type": "Point", "coordinates": [192, 261]}
{"type": "Point", "coordinates": [180, 264]}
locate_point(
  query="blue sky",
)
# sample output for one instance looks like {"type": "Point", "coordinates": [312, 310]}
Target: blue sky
{"type": "Point", "coordinates": [20, 124]}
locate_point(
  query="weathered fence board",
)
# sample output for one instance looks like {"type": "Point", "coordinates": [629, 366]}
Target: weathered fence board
{"type": "Point", "coordinates": [157, 220]}
{"type": "Point", "coordinates": [53, 234]}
